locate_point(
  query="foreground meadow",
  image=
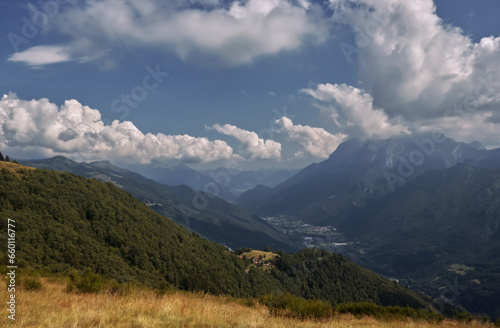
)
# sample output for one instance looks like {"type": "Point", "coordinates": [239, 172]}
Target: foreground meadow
{"type": "Point", "coordinates": [52, 306]}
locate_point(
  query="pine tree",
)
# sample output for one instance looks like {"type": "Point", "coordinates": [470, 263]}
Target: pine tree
{"type": "Point", "coordinates": [7, 159]}
{"type": "Point", "coordinates": [1, 157]}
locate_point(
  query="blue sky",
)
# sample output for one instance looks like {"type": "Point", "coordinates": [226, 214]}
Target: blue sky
{"type": "Point", "coordinates": [262, 83]}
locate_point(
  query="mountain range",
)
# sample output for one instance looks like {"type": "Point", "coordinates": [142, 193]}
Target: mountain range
{"type": "Point", "coordinates": [209, 216]}
{"type": "Point", "coordinates": [356, 173]}
{"type": "Point", "coordinates": [422, 209]}
{"type": "Point", "coordinates": [230, 183]}
{"type": "Point", "coordinates": [66, 222]}
{"type": "Point", "coordinates": [439, 232]}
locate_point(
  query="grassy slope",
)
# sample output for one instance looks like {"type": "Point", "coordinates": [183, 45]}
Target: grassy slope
{"type": "Point", "coordinates": [52, 307]}
{"type": "Point", "coordinates": [255, 254]}
{"type": "Point", "coordinates": [14, 168]}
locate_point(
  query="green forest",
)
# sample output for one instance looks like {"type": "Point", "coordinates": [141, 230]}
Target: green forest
{"type": "Point", "coordinates": [66, 222]}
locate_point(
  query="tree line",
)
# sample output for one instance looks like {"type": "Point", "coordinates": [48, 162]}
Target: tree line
{"type": "Point", "coordinates": [4, 159]}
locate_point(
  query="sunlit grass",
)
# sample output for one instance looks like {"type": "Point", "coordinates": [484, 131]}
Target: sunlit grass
{"type": "Point", "coordinates": [15, 168]}
{"type": "Point", "coordinates": [257, 254]}
{"type": "Point", "coordinates": [53, 307]}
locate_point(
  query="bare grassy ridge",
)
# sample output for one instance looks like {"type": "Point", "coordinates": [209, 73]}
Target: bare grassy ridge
{"type": "Point", "coordinates": [15, 168]}
{"type": "Point", "coordinates": [254, 254]}
{"type": "Point", "coordinates": [53, 307]}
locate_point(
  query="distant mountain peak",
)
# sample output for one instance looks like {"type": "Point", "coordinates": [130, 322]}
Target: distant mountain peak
{"type": "Point", "coordinates": [347, 147]}
{"type": "Point", "coordinates": [477, 145]}
{"type": "Point", "coordinates": [56, 161]}
{"type": "Point", "coordinates": [427, 143]}
{"type": "Point", "coordinates": [102, 164]}
{"type": "Point", "coordinates": [60, 158]}
{"type": "Point", "coordinates": [359, 171]}
{"type": "Point", "coordinates": [182, 166]}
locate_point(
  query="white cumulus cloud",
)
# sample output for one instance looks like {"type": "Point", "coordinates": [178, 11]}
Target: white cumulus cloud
{"type": "Point", "coordinates": [42, 55]}
{"type": "Point", "coordinates": [229, 34]}
{"type": "Point", "coordinates": [352, 110]}
{"type": "Point", "coordinates": [417, 67]}
{"type": "Point", "coordinates": [41, 128]}
{"type": "Point", "coordinates": [256, 147]}
{"type": "Point", "coordinates": [316, 141]}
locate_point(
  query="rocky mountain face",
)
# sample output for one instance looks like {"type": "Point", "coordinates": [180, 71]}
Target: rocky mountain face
{"type": "Point", "coordinates": [357, 173]}
{"type": "Point", "coordinates": [424, 210]}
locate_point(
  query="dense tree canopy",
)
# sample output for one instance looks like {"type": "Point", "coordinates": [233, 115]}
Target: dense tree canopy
{"type": "Point", "coordinates": [67, 222]}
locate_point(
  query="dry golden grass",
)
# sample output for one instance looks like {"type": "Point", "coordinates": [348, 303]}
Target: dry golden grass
{"type": "Point", "coordinates": [53, 307]}
{"type": "Point", "coordinates": [14, 168]}
{"type": "Point", "coordinates": [254, 254]}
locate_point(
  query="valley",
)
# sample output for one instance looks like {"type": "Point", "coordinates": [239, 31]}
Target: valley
{"type": "Point", "coordinates": [209, 216]}
{"type": "Point", "coordinates": [309, 236]}
{"type": "Point", "coordinates": [250, 163]}
{"type": "Point", "coordinates": [437, 233]}
{"type": "Point", "coordinates": [88, 227]}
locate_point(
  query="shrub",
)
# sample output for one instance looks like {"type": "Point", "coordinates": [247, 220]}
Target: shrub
{"type": "Point", "coordinates": [32, 284]}
{"type": "Point", "coordinates": [497, 323]}
{"type": "Point", "coordinates": [387, 312]}
{"type": "Point", "coordinates": [289, 305]}
{"type": "Point", "coordinates": [165, 289]}
{"type": "Point", "coordinates": [250, 302]}
{"type": "Point", "coordinates": [361, 309]}
{"type": "Point", "coordinates": [462, 316]}
{"type": "Point", "coordinates": [115, 287]}
{"type": "Point", "coordinates": [87, 283]}
{"type": "Point", "coordinates": [243, 250]}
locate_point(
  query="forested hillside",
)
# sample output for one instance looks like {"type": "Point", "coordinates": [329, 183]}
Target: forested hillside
{"type": "Point", "coordinates": [438, 232]}
{"type": "Point", "coordinates": [67, 222]}
{"type": "Point", "coordinates": [209, 216]}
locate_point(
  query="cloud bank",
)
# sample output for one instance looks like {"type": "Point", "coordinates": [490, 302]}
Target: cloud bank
{"type": "Point", "coordinates": [352, 110]}
{"type": "Point", "coordinates": [418, 74]}
{"type": "Point", "coordinates": [315, 141]}
{"type": "Point", "coordinates": [230, 33]}
{"type": "Point", "coordinates": [41, 128]}
{"type": "Point", "coordinates": [421, 71]}
{"type": "Point", "coordinates": [256, 147]}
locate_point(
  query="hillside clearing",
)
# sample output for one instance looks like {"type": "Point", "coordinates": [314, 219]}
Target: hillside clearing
{"type": "Point", "coordinates": [15, 168]}
{"type": "Point", "coordinates": [254, 254]}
